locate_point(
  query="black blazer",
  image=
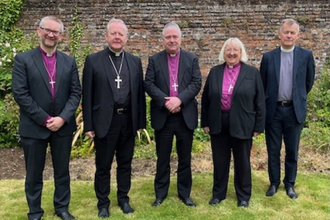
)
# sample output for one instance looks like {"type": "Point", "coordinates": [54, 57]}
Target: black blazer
{"type": "Point", "coordinates": [97, 100]}
{"type": "Point", "coordinates": [303, 79]}
{"type": "Point", "coordinates": [247, 114]}
{"type": "Point", "coordinates": [32, 93]}
{"type": "Point", "coordinates": [157, 87]}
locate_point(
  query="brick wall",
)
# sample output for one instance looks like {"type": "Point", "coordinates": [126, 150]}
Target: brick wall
{"type": "Point", "coordinates": [205, 24]}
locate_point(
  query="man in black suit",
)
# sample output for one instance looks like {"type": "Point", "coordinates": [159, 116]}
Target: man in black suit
{"type": "Point", "coordinates": [47, 89]}
{"type": "Point", "coordinates": [288, 75]}
{"type": "Point", "coordinates": [113, 110]}
{"type": "Point", "coordinates": [173, 79]}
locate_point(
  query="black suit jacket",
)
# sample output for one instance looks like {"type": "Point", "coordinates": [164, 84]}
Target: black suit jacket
{"type": "Point", "coordinates": [303, 79]}
{"type": "Point", "coordinates": [247, 113]}
{"type": "Point", "coordinates": [32, 92]}
{"type": "Point", "coordinates": [157, 86]}
{"type": "Point", "coordinates": [98, 101]}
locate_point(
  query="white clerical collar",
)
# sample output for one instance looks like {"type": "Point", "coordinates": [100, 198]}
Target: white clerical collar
{"type": "Point", "coordinates": [117, 54]}
{"type": "Point", "coordinates": [174, 54]}
{"type": "Point", "coordinates": [287, 50]}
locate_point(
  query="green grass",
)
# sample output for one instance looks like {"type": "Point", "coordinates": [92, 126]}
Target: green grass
{"type": "Point", "coordinates": [312, 203]}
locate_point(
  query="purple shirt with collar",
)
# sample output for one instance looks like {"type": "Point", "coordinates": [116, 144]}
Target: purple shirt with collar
{"type": "Point", "coordinates": [229, 80]}
{"type": "Point", "coordinates": [173, 69]}
{"type": "Point", "coordinates": [50, 65]}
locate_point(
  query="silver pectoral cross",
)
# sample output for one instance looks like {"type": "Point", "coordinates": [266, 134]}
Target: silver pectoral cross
{"type": "Point", "coordinates": [118, 81]}
{"type": "Point", "coordinates": [175, 86]}
{"type": "Point", "coordinates": [52, 82]}
{"type": "Point", "coordinates": [230, 87]}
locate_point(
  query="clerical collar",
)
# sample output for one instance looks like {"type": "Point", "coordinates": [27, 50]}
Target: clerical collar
{"type": "Point", "coordinates": [116, 54]}
{"type": "Point", "coordinates": [234, 66]}
{"type": "Point", "coordinates": [287, 50]}
{"type": "Point", "coordinates": [49, 55]}
{"type": "Point", "coordinates": [174, 54]}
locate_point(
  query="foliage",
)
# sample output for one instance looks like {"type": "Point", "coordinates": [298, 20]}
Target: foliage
{"type": "Point", "coordinates": [317, 126]}
{"type": "Point", "coordinates": [8, 122]}
{"type": "Point", "coordinates": [12, 41]}
{"type": "Point", "coordinates": [76, 33]}
{"type": "Point", "coordinates": [10, 11]}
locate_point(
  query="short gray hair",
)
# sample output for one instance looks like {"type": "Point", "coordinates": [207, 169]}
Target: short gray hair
{"type": "Point", "coordinates": [236, 42]}
{"type": "Point", "coordinates": [53, 18]}
{"type": "Point", "coordinates": [112, 20]}
{"type": "Point", "coordinates": [290, 22]}
{"type": "Point", "coordinates": [171, 24]}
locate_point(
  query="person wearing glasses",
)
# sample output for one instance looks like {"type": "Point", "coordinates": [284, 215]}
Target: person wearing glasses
{"type": "Point", "coordinates": [114, 109]}
{"type": "Point", "coordinates": [173, 79]}
{"type": "Point", "coordinates": [46, 86]}
{"type": "Point", "coordinates": [233, 112]}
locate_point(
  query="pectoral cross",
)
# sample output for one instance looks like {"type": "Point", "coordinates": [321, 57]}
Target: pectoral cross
{"type": "Point", "coordinates": [52, 82]}
{"type": "Point", "coordinates": [175, 86]}
{"type": "Point", "coordinates": [230, 87]}
{"type": "Point", "coordinates": [118, 81]}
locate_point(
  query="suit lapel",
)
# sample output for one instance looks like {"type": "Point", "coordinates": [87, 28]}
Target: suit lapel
{"type": "Point", "coordinates": [241, 76]}
{"type": "Point", "coordinates": [59, 70]}
{"type": "Point", "coordinates": [219, 78]}
{"type": "Point", "coordinates": [164, 67]}
{"type": "Point", "coordinates": [296, 56]}
{"type": "Point", "coordinates": [182, 67]}
{"type": "Point", "coordinates": [106, 60]}
{"type": "Point", "coordinates": [131, 70]}
{"type": "Point", "coordinates": [41, 67]}
{"type": "Point", "coordinates": [277, 60]}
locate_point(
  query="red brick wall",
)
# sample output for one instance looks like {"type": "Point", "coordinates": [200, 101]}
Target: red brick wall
{"type": "Point", "coordinates": [205, 24]}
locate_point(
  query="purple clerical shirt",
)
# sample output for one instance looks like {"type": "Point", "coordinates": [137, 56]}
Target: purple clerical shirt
{"type": "Point", "coordinates": [50, 65]}
{"type": "Point", "coordinates": [229, 80]}
{"type": "Point", "coordinates": [173, 67]}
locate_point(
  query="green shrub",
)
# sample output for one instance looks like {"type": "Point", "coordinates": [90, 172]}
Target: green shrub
{"type": "Point", "coordinates": [9, 119]}
{"type": "Point", "coordinates": [317, 126]}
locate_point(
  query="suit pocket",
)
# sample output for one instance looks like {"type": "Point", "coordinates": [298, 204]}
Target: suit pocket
{"type": "Point", "coordinates": [95, 107]}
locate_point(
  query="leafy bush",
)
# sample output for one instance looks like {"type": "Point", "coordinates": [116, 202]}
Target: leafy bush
{"type": "Point", "coordinates": [317, 126]}
{"type": "Point", "coordinates": [8, 122]}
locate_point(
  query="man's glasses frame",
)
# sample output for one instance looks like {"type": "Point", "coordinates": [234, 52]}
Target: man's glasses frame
{"type": "Point", "coordinates": [48, 31]}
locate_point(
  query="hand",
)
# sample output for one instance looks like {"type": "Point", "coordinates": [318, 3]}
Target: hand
{"type": "Point", "coordinates": [173, 104]}
{"type": "Point", "coordinates": [255, 134]}
{"type": "Point", "coordinates": [90, 134]}
{"type": "Point", "coordinates": [55, 123]}
{"type": "Point", "coordinates": [206, 130]}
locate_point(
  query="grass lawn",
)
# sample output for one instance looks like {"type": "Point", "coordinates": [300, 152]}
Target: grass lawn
{"type": "Point", "coordinates": [312, 203]}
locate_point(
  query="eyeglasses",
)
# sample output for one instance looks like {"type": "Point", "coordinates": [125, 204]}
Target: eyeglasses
{"type": "Point", "coordinates": [48, 31]}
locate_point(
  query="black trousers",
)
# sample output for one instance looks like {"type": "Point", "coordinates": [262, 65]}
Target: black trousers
{"type": "Point", "coordinates": [174, 125]}
{"type": "Point", "coordinates": [223, 144]}
{"type": "Point", "coordinates": [119, 141]}
{"type": "Point", "coordinates": [35, 155]}
{"type": "Point", "coordinates": [284, 125]}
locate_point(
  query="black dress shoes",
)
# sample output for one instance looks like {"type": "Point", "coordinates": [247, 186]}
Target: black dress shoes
{"type": "Point", "coordinates": [291, 193]}
{"type": "Point", "coordinates": [65, 216]}
{"type": "Point", "coordinates": [126, 208]}
{"type": "Point", "coordinates": [104, 213]}
{"type": "Point", "coordinates": [157, 202]}
{"type": "Point", "coordinates": [214, 201]}
{"type": "Point", "coordinates": [243, 204]}
{"type": "Point", "coordinates": [188, 202]}
{"type": "Point", "coordinates": [271, 190]}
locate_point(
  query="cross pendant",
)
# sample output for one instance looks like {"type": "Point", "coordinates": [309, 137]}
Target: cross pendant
{"type": "Point", "coordinates": [175, 86]}
{"type": "Point", "coordinates": [118, 81]}
{"type": "Point", "coordinates": [230, 87]}
{"type": "Point", "coordinates": [52, 82]}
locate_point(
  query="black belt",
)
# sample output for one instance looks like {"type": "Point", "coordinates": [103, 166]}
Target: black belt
{"type": "Point", "coordinates": [284, 103]}
{"type": "Point", "coordinates": [121, 110]}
